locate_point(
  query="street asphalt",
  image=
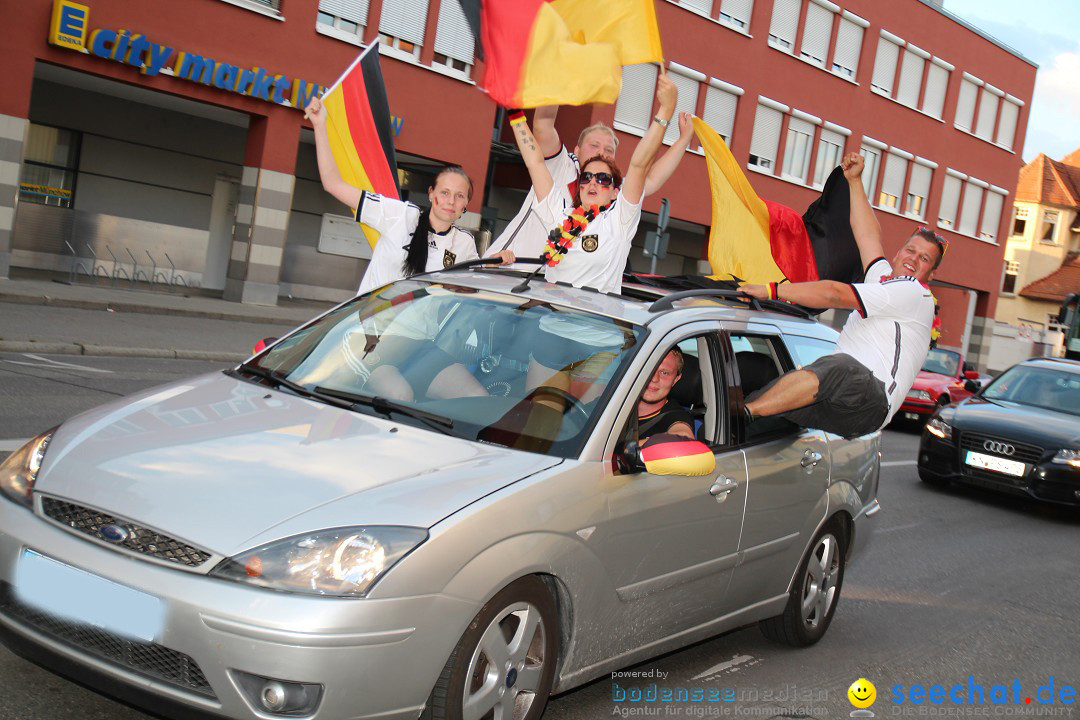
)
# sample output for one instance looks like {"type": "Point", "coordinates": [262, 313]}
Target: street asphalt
{"type": "Point", "coordinates": [42, 313]}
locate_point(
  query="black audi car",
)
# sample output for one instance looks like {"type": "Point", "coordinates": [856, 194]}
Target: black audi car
{"type": "Point", "coordinates": [1019, 435]}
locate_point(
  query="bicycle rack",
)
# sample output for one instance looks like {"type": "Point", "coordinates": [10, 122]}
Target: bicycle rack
{"type": "Point", "coordinates": [175, 278]}
{"type": "Point", "coordinates": [154, 274]}
{"type": "Point", "coordinates": [118, 269]}
{"type": "Point", "coordinates": [135, 271]}
{"type": "Point", "coordinates": [99, 270]}
{"type": "Point", "coordinates": [77, 265]}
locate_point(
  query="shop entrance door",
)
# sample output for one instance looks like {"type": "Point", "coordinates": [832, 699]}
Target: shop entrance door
{"type": "Point", "coordinates": [222, 219]}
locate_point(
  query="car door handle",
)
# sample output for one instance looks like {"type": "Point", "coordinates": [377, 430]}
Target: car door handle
{"type": "Point", "coordinates": [723, 486]}
{"type": "Point", "coordinates": [810, 458]}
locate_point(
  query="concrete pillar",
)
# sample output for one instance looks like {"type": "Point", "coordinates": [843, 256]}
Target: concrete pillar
{"type": "Point", "coordinates": [262, 209]}
{"type": "Point", "coordinates": [982, 333]}
{"type": "Point", "coordinates": [12, 137]}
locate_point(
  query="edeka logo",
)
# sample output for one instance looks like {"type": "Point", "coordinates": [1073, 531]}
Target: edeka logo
{"type": "Point", "coordinates": [68, 26]}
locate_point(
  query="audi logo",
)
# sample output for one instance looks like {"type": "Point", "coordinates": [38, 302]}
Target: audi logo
{"type": "Point", "coordinates": [998, 447]}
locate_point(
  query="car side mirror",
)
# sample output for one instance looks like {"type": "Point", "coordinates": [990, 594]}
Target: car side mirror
{"type": "Point", "coordinates": [263, 344]}
{"type": "Point", "coordinates": [971, 386]}
{"type": "Point", "coordinates": [971, 375]}
{"type": "Point", "coordinates": [666, 454]}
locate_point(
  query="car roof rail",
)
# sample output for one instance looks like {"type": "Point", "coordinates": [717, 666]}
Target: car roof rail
{"type": "Point", "coordinates": [738, 296]}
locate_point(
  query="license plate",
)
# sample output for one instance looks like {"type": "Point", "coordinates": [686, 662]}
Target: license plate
{"type": "Point", "coordinates": [82, 597]}
{"type": "Point", "coordinates": [990, 462]}
{"type": "Point", "coordinates": [911, 416]}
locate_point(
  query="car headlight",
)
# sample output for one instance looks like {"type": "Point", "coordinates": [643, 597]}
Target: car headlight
{"type": "Point", "coordinates": [339, 562]}
{"type": "Point", "coordinates": [940, 428]}
{"type": "Point", "coordinates": [1068, 456]}
{"type": "Point", "coordinates": [919, 395]}
{"type": "Point", "coordinates": [19, 471]}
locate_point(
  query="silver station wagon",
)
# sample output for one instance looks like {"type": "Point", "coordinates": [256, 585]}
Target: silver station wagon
{"type": "Point", "coordinates": [386, 515]}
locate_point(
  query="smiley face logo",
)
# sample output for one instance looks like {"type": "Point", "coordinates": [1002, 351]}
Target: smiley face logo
{"type": "Point", "coordinates": [862, 693]}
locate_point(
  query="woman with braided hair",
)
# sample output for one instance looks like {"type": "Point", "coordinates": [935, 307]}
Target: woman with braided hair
{"type": "Point", "coordinates": [592, 229]}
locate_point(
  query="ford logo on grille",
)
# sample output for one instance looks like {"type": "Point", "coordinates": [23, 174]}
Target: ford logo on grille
{"type": "Point", "coordinates": [114, 533]}
{"type": "Point", "coordinates": [998, 447]}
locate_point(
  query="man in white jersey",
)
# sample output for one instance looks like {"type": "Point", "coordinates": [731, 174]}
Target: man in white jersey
{"type": "Point", "coordinates": [860, 386]}
{"type": "Point", "coordinates": [526, 235]}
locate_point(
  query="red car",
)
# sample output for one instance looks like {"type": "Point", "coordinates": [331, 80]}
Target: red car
{"type": "Point", "coordinates": [944, 378]}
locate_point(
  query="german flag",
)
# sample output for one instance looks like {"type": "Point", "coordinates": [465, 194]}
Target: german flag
{"type": "Point", "coordinates": [358, 126]}
{"type": "Point", "coordinates": [560, 52]}
{"type": "Point", "coordinates": [667, 454]}
{"type": "Point", "coordinates": [759, 242]}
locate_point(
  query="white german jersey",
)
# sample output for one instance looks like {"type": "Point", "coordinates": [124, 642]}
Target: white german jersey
{"type": "Point", "coordinates": [527, 234]}
{"type": "Point", "coordinates": [396, 221]}
{"type": "Point", "coordinates": [890, 331]}
{"type": "Point", "coordinates": [598, 256]}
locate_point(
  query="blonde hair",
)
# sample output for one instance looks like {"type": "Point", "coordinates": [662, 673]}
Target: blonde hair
{"type": "Point", "coordinates": [599, 126]}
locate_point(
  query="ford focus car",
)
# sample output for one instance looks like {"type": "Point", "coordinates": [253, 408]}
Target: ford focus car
{"type": "Point", "coordinates": [333, 530]}
{"type": "Point", "coordinates": [1020, 435]}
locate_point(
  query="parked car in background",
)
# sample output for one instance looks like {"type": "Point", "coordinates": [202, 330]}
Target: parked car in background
{"type": "Point", "coordinates": [1019, 435]}
{"type": "Point", "coordinates": [282, 539]}
{"type": "Point", "coordinates": [944, 378]}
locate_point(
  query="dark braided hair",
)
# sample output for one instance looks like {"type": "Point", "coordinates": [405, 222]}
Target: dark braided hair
{"type": "Point", "coordinates": [417, 253]}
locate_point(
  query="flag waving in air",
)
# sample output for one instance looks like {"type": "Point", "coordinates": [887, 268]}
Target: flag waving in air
{"type": "Point", "coordinates": [761, 242]}
{"type": "Point", "coordinates": [359, 129]}
{"type": "Point", "coordinates": [560, 52]}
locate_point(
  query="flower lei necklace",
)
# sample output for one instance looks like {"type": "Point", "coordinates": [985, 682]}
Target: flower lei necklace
{"type": "Point", "coordinates": [561, 238]}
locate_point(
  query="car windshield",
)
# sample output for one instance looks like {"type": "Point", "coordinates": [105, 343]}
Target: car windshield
{"type": "Point", "coordinates": [945, 362]}
{"type": "Point", "coordinates": [1038, 387]}
{"type": "Point", "coordinates": [475, 364]}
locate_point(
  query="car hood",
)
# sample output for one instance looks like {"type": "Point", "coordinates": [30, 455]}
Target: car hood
{"type": "Point", "coordinates": [227, 465]}
{"type": "Point", "coordinates": [925, 380]}
{"type": "Point", "coordinates": [1023, 423]}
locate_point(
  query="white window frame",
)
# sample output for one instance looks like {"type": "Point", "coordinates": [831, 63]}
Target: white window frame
{"type": "Point", "coordinates": [965, 103]}
{"type": "Point", "coordinates": [704, 7]}
{"type": "Point", "coordinates": [454, 44]}
{"type": "Point", "coordinates": [633, 108]}
{"type": "Point", "coordinates": [937, 86]}
{"type": "Point", "coordinates": [912, 66]}
{"type": "Point", "coordinates": [799, 146]}
{"type": "Point", "coordinates": [399, 28]}
{"type": "Point", "coordinates": [817, 33]}
{"type": "Point", "coordinates": [893, 180]}
{"type": "Point", "coordinates": [353, 12]}
{"type": "Point", "coordinates": [688, 81]}
{"type": "Point", "coordinates": [872, 151]}
{"type": "Point", "coordinates": [950, 198]}
{"type": "Point", "coordinates": [765, 140]}
{"type": "Point", "coordinates": [971, 207]}
{"type": "Point", "coordinates": [1012, 269]}
{"type": "Point", "coordinates": [1053, 219]}
{"type": "Point", "coordinates": [993, 204]}
{"type": "Point", "coordinates": [986, 119]}
{"type": "Point", "coordinates": [921, 178]}
{"type": "Point", "coordinates": [830, 150]}
{"type": "Point", "coordinates": [849, 41]}
{"type": "Point", "coordinates": [1010, 118]}
{"type": "Point", "coordinates": [736, 14]}
{"type": "Point", "coordinates": [888, 54]}
{"type": "Point", "coordinates": [784, 26]}
{"type": "Point", "coordinates": [1022, 214]}
{"type": "Point", "coordinates": [721, 104]}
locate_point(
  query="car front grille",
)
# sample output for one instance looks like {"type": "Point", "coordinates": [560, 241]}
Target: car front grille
{"type": "Point", "coordinates": [149, 659]}
{"type": "Point", "coordinates": [1030, 454]}
{"type": "Point", "coordinates": [139, 539]}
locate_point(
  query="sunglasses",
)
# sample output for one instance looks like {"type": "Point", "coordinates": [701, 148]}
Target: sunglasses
{"type": "Point", "coordinates": [603, 179]}
{"type": "Point", "coordinates": [930, 234]}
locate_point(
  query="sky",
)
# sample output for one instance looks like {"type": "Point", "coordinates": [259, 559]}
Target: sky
{"type": "Point", "coordinates": [1047, 32]}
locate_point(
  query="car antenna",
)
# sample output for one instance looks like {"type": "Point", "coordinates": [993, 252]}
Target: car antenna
{"type": "Point", "coordinates": [524, 284]}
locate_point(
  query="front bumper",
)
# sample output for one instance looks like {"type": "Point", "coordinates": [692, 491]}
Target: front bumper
{"type": "Point", "coordinates": [373, 658]}
{"type": "Point", "coordinates": [920, 407]}
{"type": "Point", "coordinates": [1045, 481]}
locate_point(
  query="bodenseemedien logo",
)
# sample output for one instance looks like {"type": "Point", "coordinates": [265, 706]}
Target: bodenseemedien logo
{"type": "Point", "coordinates": [862, 695]}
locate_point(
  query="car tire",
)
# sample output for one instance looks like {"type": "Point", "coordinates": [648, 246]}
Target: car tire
{"type": "Point", "coordinates": [505, 660]}
{"type": "Point", "coordinates": [815, 592]}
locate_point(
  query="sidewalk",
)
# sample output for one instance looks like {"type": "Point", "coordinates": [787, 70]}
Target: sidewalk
{"type": "Point", "coordinates": [40, 314]}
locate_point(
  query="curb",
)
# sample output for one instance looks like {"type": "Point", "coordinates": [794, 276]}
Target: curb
{"type": "Point", "coordinates": [149, 309]}
{"type": "Point", "coordinates": [20, 346]}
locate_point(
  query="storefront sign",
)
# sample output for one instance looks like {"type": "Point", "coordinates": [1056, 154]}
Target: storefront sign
{"type": "Point", "coordinates": [70, 28]}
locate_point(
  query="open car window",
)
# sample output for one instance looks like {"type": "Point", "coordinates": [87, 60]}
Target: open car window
{"type": "Point", "coordinates": [464, 359]}
{"type": "Point", "coordinates": [760, 359]}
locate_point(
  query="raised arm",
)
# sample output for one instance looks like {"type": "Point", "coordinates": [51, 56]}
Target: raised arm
{"type": "Point", "coordinates": [328, 169]}
{"type": "Point", "coordinates": [864, 224]}
{"type": "Point", "coordinates": [547, 137]}
{"type": "Point", "coordinates": [634, 183]}
{"type": "Point", "coordinates": [665, 165]}
{"type": "Point", "coordinates": [532, 155]}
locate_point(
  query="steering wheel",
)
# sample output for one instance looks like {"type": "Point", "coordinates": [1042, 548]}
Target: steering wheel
{"type": "Point", "coordinates": [572, 404]}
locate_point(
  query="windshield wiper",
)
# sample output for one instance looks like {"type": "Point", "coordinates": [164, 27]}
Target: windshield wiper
{"type": "Point", "coordinates": [279, 379]}
{"type": "Point", "coordinates": [384, 406]}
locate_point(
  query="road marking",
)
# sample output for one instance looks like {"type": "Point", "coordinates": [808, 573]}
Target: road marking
{"type": "Point", "coordinates": [12, 445]}
{"type": "Point", "coordinates": [49, 363]}
{"type": "Point", "coordinates": [725, 666]}
{"type": "Point", "coordinates": [893, 463]}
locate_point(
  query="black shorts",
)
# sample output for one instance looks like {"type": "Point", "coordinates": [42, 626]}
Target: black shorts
{"type": "Point", "coordinates": [850, 401]}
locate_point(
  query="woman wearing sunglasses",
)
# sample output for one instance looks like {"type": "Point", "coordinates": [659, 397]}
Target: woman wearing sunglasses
{"type": "Point", "coordinates": [591, 229]}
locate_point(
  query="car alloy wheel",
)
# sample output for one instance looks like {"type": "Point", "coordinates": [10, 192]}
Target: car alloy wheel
{"type": "Point", "coordinates": [503, 666]}
{"type": "Point", "coordinates": [815, 593]}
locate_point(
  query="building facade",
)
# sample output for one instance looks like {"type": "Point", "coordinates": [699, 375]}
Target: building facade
{"type": "Point", "coordinates": [164, 140]}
